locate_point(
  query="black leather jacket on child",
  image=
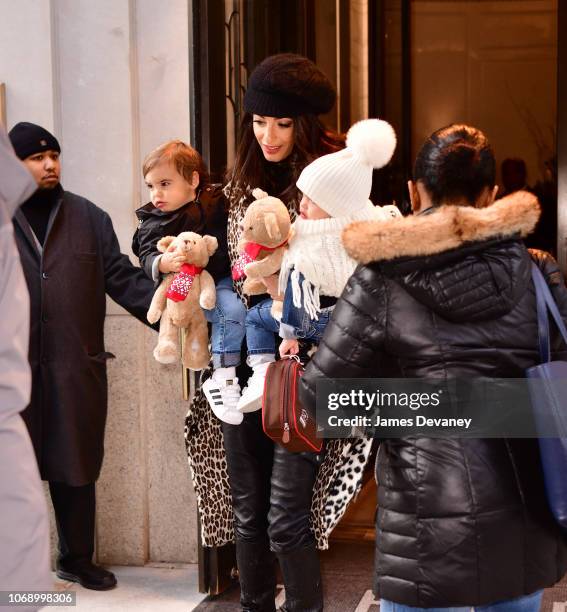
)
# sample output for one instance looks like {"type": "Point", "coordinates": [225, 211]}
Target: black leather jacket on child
{"type": "Point", "coordinates": [207, 214]}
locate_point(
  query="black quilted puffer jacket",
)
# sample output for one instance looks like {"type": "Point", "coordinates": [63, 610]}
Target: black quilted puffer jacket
{"type": "Point", "coordinates": [461, 522]}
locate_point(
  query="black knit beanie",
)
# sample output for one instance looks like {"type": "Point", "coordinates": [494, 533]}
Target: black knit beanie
{"type": "Point", "coordinates": [29, 138]}
{"type": "Point", "coordinates": [288, 85]}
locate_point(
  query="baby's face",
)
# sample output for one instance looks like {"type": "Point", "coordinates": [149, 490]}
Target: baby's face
{"type": "Point", "coordinates": [309, 210]}
{"type": "Point", "coordinates": [168, 189]}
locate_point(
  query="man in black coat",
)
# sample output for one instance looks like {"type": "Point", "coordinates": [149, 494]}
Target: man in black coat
{"type": "Point", "coordinates": [71, 260]}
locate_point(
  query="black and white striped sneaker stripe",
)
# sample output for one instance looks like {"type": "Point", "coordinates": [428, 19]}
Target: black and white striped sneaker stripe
{"type": "Point", "coordinates": [216, 396]}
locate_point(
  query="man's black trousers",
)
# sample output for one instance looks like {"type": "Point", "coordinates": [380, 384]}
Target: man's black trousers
{"type": "Point", "coordinates": [75, 516]}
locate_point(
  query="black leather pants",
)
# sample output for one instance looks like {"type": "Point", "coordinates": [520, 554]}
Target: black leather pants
{"type": "Point", "coordinates": [271, 491]}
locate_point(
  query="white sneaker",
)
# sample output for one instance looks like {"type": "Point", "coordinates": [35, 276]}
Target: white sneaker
{"type": "Point", "coordinates": [251, 398]}
{"type": "Point", "coordinates": [223, 396]}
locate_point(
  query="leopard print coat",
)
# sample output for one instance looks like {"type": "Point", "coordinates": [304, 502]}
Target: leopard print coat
{"type": "Point", "coordinates": [340, 475]}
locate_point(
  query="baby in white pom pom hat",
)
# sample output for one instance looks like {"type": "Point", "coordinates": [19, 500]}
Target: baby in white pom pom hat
{"type": "Point", "coordinates": [316, 267]}
{"type": "Point", "coordinates": [340, 183]}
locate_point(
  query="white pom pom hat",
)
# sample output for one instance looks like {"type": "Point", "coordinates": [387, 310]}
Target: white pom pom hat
{"type": "Point", "coordinates": [340, 182]}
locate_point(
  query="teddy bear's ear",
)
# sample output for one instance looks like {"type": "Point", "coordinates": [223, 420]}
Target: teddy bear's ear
{"type": "Point", "coordinates": [259, 194]}
{"type": "Point", "coordinates": [271, 221]}
{"type": "Point", "coordinates": [211, 243]}
{"type": "Point", "coordinates": [164, 243]}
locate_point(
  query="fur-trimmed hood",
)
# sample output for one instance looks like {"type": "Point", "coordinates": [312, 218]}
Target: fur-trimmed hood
{"type": "Point", "coordinates": [464, 263]}
{"type": "Point", "coordinates": [445, 229]}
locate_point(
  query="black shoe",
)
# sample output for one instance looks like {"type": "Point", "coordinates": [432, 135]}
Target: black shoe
{"type": "Point", "coordinates": [87, 574]}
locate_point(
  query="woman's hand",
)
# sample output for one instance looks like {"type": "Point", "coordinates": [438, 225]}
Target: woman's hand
{"type": "Point", "coordinates": [170, 262]}
{"type": "Point", "coordinates": [289, 346]}
{"type": "Point", "coordinates": [271, 283]}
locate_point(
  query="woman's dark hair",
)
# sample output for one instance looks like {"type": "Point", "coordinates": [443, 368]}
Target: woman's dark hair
{"type": "Point", "coordinates": [312, 139]}
{"type": "Point", "coordinates": [455, 163]}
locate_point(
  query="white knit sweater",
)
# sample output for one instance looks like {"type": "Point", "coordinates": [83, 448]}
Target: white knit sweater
{"type": "Point", "coordinates": [316, 251]}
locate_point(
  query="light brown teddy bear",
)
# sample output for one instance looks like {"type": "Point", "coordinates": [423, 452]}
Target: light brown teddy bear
{"type": "Point", "coordinates": [179, 299]}
{"type": "Point", "coordinates": [265, 233]}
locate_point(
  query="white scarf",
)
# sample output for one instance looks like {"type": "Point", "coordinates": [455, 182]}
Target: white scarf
{"type": "Point", "coordinates": [316, 251]}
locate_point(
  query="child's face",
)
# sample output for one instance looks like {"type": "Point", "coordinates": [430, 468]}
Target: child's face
{"type": "Point", "coordinates": [309, 210]}
{"type": "Point", "coordinates": [275, 135]}
{"type": "Point", "coordinates": [168, 189]}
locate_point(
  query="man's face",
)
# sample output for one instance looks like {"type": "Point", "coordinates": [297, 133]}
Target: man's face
{"type": "Point", "coordinates": [45, 168]}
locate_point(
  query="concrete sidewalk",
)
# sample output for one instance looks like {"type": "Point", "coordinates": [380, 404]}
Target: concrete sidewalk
{"type": "Point", "coordinates": [163, 587]}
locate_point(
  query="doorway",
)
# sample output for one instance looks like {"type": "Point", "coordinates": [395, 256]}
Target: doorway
{"type": "Point", "coordinates": [489, 63]}
{"type": "Point", "coordinates": [420, 64]}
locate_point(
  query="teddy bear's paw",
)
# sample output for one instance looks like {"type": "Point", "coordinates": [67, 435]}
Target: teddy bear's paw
{"type": "Point", "coordinates": [207, 303]}
{"type": "Point", "coordinates": [166, 352]}
{"type": "Point", "coordinates": [250, 270]}
{"type": "Point", "coordinates": [196, 364]}
{"type": "Point", "coordinates": [277, 310]}
{"type": "Point", "coordinates": [254, 286]}
{"type": "Point", "coordinates": [154, 315]}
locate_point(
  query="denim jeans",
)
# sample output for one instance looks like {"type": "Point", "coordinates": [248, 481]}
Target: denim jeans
{"type": "Point", "coordinates": [261, 325]}
{"type": "Point", "coordinates": [528, 603]}
{"type": "Point", "coordinates": [227, 319]}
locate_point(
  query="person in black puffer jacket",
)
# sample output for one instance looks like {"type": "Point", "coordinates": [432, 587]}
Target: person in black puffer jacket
{"type": "Point", "coordinates": [448, 293]}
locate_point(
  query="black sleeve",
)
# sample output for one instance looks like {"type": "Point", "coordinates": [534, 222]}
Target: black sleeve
{"type": "Point", "coordinates": [147, 264]}
{"type": "Point", "coordinates": [136, 243]}
{"type": "Point", "coordinates": [125, 283]}
{"type": "Point", "coordinates": [216, 214]}
{"type": "Point", "coordinates": [352, 345]}
{"type": "Point", "coordinates": [146, 252]}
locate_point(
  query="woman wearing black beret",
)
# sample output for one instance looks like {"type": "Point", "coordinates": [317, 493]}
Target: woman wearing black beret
{"type": "Point", "coordinates": [266, 498]}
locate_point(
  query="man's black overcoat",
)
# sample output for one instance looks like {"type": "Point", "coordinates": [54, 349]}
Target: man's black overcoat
{"type": "Point", "coordinates": [68, 281]}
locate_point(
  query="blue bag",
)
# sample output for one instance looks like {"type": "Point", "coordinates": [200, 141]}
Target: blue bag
{"type": "Point", "coordinates": [549, 408]}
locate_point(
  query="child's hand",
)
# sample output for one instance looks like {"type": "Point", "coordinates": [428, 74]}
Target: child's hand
{"type": "Point", "coordinates": [289, 346]}
{"type": "Point", "coordinates": [170, 262]}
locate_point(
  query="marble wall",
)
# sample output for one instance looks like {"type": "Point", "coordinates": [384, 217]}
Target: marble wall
{"type": "Point", "coordinates": [111, 79]}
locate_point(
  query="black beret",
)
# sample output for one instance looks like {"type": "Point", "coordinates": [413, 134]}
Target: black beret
{"type": "Point", "coordinates": [29, 139]}
{"type": "Point", "coordinates": [288, 85]}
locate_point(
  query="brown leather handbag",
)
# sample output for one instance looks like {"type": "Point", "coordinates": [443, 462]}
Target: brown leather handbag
{"type": "Point", "coordinates": [284, 419]}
